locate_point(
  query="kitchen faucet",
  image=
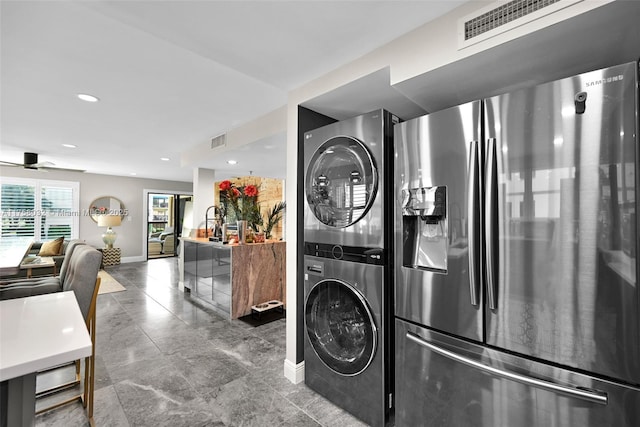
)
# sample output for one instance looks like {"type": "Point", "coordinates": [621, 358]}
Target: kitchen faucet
{"type": "Point", "coordinates": [206, 219]}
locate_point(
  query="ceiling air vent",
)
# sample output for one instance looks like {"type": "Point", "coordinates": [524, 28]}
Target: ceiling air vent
{"type": "Point", "coordinates": [503, 16]}
{"type": "Point", "coordinates": [219, 141]}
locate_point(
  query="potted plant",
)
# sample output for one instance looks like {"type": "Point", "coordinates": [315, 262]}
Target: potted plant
{"type": "Point", "coordinates": [243, 201]}
{"type": "Point", "coordinates": [274, 216]}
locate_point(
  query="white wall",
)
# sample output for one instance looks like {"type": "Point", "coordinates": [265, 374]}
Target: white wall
{"type": "Point", "coordinates": [132, 232]}
{"type": "Point", "coordinates": [268, 125]}
{"type": "Point", "coordinates": [203, 180]}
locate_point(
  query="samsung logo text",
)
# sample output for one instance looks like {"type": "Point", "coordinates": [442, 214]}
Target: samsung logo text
{"type": "Point", "coordinates": [605, 81]}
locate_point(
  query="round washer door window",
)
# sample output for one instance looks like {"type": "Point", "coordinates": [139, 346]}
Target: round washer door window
{"type": "Point", "coordinates": [341, 182]}
{"type": "Point", "coordinates": [340, 327]}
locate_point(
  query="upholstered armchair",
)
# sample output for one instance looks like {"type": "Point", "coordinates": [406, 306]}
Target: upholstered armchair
{"type": "Point", "coordinates": [54, 282]}
{"type": "Point", "coordinates": [162, 243]}
{"type": "Point", "coordinates": [78, 273]}
{"type": "Point", "coordinates": [168, 244]}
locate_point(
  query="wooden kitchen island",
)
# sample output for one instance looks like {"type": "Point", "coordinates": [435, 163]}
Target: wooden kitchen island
{"type": "Point", "coordinates": [233, 278]}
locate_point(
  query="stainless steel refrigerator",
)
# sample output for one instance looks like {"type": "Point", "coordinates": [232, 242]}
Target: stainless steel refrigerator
{"type": "Point", "coordinates": [516, 298]}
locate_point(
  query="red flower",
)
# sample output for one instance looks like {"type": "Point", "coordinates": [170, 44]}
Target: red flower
{"type": "Point", "coordinates": [236, 192]}
{"type": "Point", "coordinates": [251, 190]}
{"type": "Point", "coordinates": [225, 185]}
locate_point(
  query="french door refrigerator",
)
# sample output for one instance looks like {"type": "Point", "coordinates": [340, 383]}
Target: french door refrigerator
{"type": "Point", "coordinates": [516, 298]}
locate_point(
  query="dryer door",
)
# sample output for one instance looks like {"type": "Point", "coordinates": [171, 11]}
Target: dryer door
{"type": "Point", "coordinates": [340, 327]}
{"type": "Point", "coordinates": [341, 182]}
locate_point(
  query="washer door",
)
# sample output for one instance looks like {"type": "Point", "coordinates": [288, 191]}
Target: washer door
{"type": "Point", "coordinates": [340, 327]}
{"type": "Point", "coordinates": [341, 182]}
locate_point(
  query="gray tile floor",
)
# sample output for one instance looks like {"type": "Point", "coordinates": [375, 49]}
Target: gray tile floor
{"type": "Point", "coordinates": [162, 359]}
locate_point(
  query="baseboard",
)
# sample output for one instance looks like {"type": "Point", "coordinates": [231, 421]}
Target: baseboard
{"type": "Point", "coordinates": [293, 372]}
{"type": "Point", "coordinates": [125, 260]}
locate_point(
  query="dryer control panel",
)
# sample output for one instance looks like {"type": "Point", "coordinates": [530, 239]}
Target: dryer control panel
{"type": "Point", "coordinates": [315, 268]}
{"type": "Point", "coordinates": [345, 253]}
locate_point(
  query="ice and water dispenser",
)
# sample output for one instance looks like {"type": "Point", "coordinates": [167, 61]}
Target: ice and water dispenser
{"type": "Point", "coordinates": [424, 228]}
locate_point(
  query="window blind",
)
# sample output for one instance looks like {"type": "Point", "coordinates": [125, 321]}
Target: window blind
{"type": "Point", "coordinates": [40, 209]}
{"type": "Point", "coordinates": [18, 203]}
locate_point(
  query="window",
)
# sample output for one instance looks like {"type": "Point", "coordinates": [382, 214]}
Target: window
{"type": "Point", "coordinates": [41, 209]}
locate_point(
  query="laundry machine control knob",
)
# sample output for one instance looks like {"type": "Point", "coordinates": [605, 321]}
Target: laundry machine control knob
{"type": "Point", "coordinates": [337, 252]}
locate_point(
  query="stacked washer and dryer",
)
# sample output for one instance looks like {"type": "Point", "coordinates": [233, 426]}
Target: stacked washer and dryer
{"type": "Point", "coordinates": [347, 260]}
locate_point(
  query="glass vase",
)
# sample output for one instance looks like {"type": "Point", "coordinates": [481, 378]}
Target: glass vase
{"type": "Point", "coordinates": [225, 238]}
{"type": "Point", "coordinates": [242, 231]}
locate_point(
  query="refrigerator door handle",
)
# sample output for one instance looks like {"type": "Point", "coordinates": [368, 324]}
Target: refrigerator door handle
{"type": "Point", "coordinates": [473, 215]}
{"type": "Point", "coordinates": [491, 187]}
{"type": "Point", "coordinates": [592, 396]}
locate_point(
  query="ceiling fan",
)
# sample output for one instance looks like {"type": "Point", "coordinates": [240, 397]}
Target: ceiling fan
{"type": "Point", "coordinates": [31, 162]}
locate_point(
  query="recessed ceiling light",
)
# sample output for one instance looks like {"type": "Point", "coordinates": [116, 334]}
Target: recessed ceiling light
{"type": "Point", "coordinates": [69, 145]}
{"type": "Point", "coordinates": [133, 174]}
{"type": "Point", "coordinates": [165, 159]}
{"type": "Point", "coordinates": [88, 98]}
{"type": "Point", "coordinates": [232, 162]}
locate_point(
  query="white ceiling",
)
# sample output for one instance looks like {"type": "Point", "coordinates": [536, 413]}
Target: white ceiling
{"type": "Point", "coordinates": [171, 75]}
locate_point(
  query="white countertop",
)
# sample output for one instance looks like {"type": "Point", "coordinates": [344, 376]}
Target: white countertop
{"type": "Point", "coordinates": [40, 332]}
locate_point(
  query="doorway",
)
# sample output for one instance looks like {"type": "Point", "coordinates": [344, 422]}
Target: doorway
{"type": "Point", "coordinates": [165, 217]}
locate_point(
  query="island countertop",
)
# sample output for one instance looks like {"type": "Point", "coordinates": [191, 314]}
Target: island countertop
{"type": "Point", "coordinates": [234, 277]}
{"type": "Point", "coordinates": [206, 241]}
